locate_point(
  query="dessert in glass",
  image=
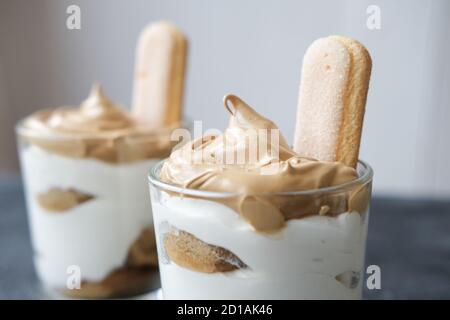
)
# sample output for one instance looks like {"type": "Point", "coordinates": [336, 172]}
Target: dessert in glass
{"type": "Point", "coordinates": [84, 171]}
{"type": "Point", "coordinates": [242, 215]}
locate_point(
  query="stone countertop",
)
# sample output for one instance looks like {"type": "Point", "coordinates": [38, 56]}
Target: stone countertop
{"type": "Point", "coordinates": [408, 239]}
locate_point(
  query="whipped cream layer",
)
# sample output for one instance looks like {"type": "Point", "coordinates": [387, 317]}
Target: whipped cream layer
{"type": "Point", "coordinates": [252, 159]}
{"type": "Point", "coordinates": [95, 235]}
{"type": "Point", "coordinates": [317, 257]}
{"type": "Point", "coordinates": [85, 174]}
{"type": "Point", "coordinates": [96, 129]}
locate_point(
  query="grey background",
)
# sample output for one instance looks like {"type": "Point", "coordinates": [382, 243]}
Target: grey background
{"type": "Point", "coordinates": [253, 48]}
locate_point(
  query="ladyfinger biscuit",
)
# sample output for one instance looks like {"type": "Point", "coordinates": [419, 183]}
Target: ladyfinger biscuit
{"type": "Point", "coordinates": [135, 277]}
{"type": "Point", "coordinates": [333, 91]}
{"type": "Point", "coordinates": [159, 75]}
{"type": "Point", "coordinates": [192, 253]}
{"type": "Point", "coordinates": [142, 252]}
{"type": "Point", "coordinates": [60, 200]}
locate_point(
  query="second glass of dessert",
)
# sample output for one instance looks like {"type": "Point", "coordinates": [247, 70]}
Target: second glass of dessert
{"type": "Point", "coordinates": [85, 175]}
{"type": "Point", "coordinates": [242, 215]}
{"type": "Point", "coordinates": [84, 172]}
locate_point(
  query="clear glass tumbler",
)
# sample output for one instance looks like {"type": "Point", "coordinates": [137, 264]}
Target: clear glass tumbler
{"type": "Point", "coordinates": [207, 251]}
{"type": "Point", "coordinates": [87, 199]}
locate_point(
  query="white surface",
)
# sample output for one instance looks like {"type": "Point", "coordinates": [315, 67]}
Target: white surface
{"type": "Point", "coordinates": [300, 262]}
{"type": "Point", "coordinates": [95, 235]}
{"type": "Point", "coordinates": [253, 48]}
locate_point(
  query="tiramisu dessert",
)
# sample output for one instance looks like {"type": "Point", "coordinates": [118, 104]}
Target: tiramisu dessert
{"type": "Point", "coordinates": [85, 169]}
{"type": "Point", "coordinates": [243, 216]}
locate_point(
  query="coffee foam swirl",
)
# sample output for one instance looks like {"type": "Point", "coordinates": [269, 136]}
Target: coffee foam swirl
{"type": "Point", "coordinates": [96, 129]}
{"type": "Point", "coordinates": [95, 115]}
{"type": "Point", "coordinates": [204, 164]}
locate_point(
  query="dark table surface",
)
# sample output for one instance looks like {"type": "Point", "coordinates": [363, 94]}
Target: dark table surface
{"type": "Point", "coordinates": [408, 239]}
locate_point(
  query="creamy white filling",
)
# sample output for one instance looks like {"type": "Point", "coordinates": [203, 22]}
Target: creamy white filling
{"type": "Point", "coordinates": [300, 261]}
{"type": "Point", "coordinates": [95, 235]}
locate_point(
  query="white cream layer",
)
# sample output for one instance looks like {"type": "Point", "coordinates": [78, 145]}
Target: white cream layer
{"type": "Point", "coordinates": [95, 235]}
{"type": "Point", "coordinates": [299, 262]}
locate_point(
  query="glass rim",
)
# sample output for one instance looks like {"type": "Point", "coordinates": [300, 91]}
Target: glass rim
{"type": "Point", "coordinates": [362, 180]}
{"type": "Point", "coordinates": [21, 129]}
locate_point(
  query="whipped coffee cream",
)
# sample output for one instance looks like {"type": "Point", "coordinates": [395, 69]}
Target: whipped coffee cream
{"type": "Point", "coordinates": [201, 165]}
{"type": "Point", "coordinates": [84, 171]}
{"type": "Point", "coordinates": [96, 129]}
{"type": "Point", "coordinates": [262, 229]}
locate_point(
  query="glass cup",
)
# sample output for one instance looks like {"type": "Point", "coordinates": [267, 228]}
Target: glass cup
{"type": "Point", "coordinates": [207, 251]}
{"type": "Point", "coordinates": [87, 201]}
